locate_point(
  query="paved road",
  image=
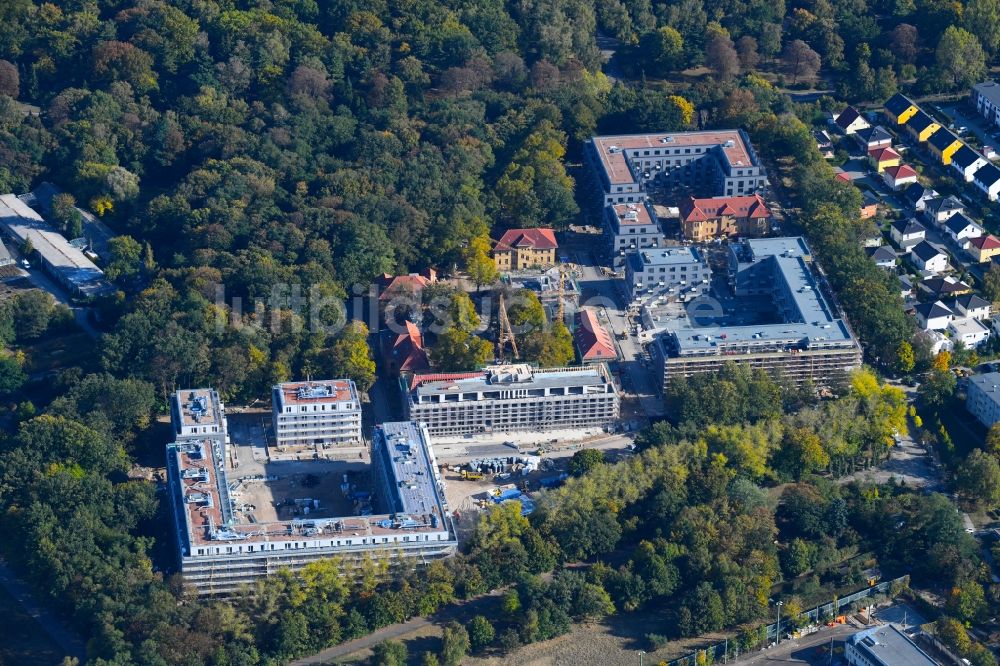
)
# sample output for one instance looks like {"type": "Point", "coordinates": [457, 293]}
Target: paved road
{"type": "Point", "coordinates": [64, 639]}
{"type": "Point", "coordinates": [798, 651]}
{"type": "Point", "coordinates": [461, 611]}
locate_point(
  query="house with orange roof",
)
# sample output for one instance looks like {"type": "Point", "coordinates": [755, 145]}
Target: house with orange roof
{"type": "Point", "coordinates": [519, 249]}
{"type": "Point", "coordinates": [593, 342]}
{"type": "Point", "coordinates": [715, 217]}
{"type": "Point", "coordinates": [883, 158]}
{"type": "Point", "coordinates": [404, 351]}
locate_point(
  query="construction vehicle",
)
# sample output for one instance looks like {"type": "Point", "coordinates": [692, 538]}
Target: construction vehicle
{"type": "Point", "coordinates": [471, 476]}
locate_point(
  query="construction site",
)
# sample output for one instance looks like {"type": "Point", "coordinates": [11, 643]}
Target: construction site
{"type": "Point", "coordinates": [240, 517]}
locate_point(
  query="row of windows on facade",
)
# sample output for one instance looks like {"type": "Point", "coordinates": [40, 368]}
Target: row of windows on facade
{"type": "Point", "coordinates": [340, 406]}
{"type": "Point", "coordinates": [295, 545]}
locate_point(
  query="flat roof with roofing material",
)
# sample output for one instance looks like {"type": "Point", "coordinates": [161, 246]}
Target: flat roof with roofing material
{"type": "Point", "coordinates": [631, 214]}
{"type": "Point", "coordinates": [966, 326]}
{"type": "Point", "coordinates": [673, 256]}
{"type": "Point", "coordinates": [22, 222]}
{"type": "Point", "coordinates": [198, 407]}
{"type": "Point", "coordinates": [813, 325]}
{"type": "Point", "coordinates": [511, 376]}
{"type": "Point", "coordinates": [888, 646]}
{"type": "Point", "coordinates": [611, 149]}
{"type": "Point", "coordinates": [319, 391]}
{"type": "Point", "coordinates": [989, 90]}
{"type": "Point", "coordinates": [409, 456]}
{"type": "Point", "coordinates": [201, 487]}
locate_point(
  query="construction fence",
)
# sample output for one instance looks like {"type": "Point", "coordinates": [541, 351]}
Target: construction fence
{"type": "Point", "coordinates": [731, 648]}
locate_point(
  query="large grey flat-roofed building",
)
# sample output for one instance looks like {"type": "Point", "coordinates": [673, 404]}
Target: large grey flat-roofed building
{"type": "Point", "coordinates": [512, 398]}
{"type": "Point", "coordinates": [322, 413]}
{"type": "Point", "coordinates": [631, 226]}
{"type": "Point", "coordinates": [223, 543]}
{"type": "Point", "coordinates": [803, 339]}
{"type": "Point", "coordinates": [722, 162]}
{"type": "Point", "coordinates": [67, 264]}
{"type": "Point", "coordinates": [982, 397]}
{"type": "Point", "coordinates": [884, 646]}
{"type": "Point", "coordinates": [986, 99]}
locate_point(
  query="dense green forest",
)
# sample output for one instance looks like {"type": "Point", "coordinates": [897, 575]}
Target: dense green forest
{"type": "Point", "coordinates": [258, 144]}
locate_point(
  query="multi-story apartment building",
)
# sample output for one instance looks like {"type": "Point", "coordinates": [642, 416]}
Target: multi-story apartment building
{"type": "Point", "coordinates": [716, 217]}
{"type": "Point", "coordinates": [519, 249]}
{"type": "Point", "coordinates": [323, 414]}
{"type": "Point", "coordinates": [884, 645]}
{"type": "Point", "coordinates": [631, 226]}
{"type": "Point", "coordinates": [678, 273]}
{"type": "Point", "coordinates": [511, 398]}
{"type": "Point", "coordinates": [771, 280]}
{"type": "Point", "coordinates": [986, 99]}
{"type": "Point", "coordinates": [719, 162]}
{"type": "Point", "coordinates": [983, 397]}
{"type": "Point", "coordinates": [223, 545]}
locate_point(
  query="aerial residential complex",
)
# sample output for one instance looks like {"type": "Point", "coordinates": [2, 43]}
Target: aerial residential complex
{"type": "Point", "coordinates": [722, 162]}
{"type": "Point", "coordinates": [225, 540]}
{"type": "Point", "coordinates": [511, 398]}
{"type": "Point", "coordinates": [779, 322]}
{"type": "Point", "coordinates": [631, 226]}
{"type": "Point", "coordinates": [322, 414]}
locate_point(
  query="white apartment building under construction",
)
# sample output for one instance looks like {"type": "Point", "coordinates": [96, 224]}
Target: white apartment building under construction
{"type": "Point", "coordinates": [511, 398]}
{"type": "Point", "coordinates": [225, 543]}
{"type": "Point", "coordinates": [324, 413]}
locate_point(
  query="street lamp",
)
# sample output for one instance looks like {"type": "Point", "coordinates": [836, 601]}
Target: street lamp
{"type": "Point", "coordinates": [641, 652]}
{"type": "Point", "coordinates": [777, 627]}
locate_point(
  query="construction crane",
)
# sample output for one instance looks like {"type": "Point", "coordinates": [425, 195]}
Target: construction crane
{"type": "Point", "coordinates": [560, 292]}
{"type": "Point", "coordinates": [506, 332]}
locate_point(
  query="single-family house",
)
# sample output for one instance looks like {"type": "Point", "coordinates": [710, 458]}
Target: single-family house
{"type": "Point", "coordinates": [883, 158]}
{"type": "Point", "coordinates": [928, 258]}
{"type": "Point", "coordinates": [905, 287]}
{"type": "Point", "coordinates": [905, 233]}
{"type": "Point", "coordinates": [869, 205]}
{"type": "Point", "coordinates": [966, 162]}
{"type": "Point", "coordinates": [916, 196]}
{"type": "Point", "coordinates": [937, 341]}
{"type": "Point", "coordinates": [972, 305]}
{"type": "Point", "coordinates": [941, 209]}
{"type": "Point", "coordinates": [883, 256]}
{"type": "Point", "coordinates": [824, 144]}
{"type": "Point", "coordinates": [898, 177]}
{"type": "Point", "coordinates": [874, 137]}
{"type": "Point", "coordinates": [961, 229]}
{"type": "Point", "coordinates": [850, 121]}
{"type": "Point", "coordinates": [984, 248]}
{"type": "Point", "coordinates": [933, 316]}
{"type": "Point", "coordinates": [841, 175]}
{"type": "Point", "coordinates": [937, 288]}
{"type": "Point", "coordinates": [969, 332]}
{"type": "Point", "coordinates": [942, 144]}
{"type": "Point", "coordinates": [899, 109]}
{"type": "Point", "coordinates": [987, 179]}
{"type": "Point", "coordinates": [921, 126]}
{"type": "Point", "coordinates": [986, 99]}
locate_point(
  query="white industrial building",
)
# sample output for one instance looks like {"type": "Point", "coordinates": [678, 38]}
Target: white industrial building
{"type": "Point", "coordinates": [884, 645]}
{"type": "Point", "coordinates": [322, 414]}
{"type": "Point", "coordinates": [512, 398]}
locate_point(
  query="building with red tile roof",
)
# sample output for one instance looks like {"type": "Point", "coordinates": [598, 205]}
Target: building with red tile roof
{"type": "Point", "coordinates": [526, 248]}
{"type": "Point", "coordinates": [705, 219]}
{"type": "Point", "coordinates": [883, 158]}
{"type": "Point", "coordinates": [593, 342]}
{"type": "Point", "coordinates": [898, 176]}
{"type": "Point", "coordinates": [406, 285]}
{"type": "Point", "coordinates": [984, 248]}
{"type": "Point", "coordinates": [404, 351]}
